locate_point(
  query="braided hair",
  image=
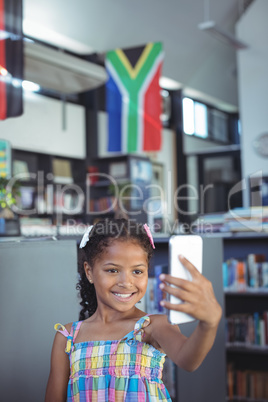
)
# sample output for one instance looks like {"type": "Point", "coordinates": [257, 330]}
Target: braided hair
{"type": "Point", "coordinates": [101, 236]}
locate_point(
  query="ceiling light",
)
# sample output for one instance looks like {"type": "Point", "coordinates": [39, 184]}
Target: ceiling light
{"type": "Point", "coordinates": [30, 86]}
{"type": "Point", "coordinates": [3, 71]}
{"type": "Point", "coordinates": [4, 35]}
{"type": "Point", "coordinates": [168, 83]}
{"type": "Point", "coordinates": [16, 83]}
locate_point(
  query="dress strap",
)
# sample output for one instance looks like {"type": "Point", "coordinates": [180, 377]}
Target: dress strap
{"type": "Point", "coordinates": [137, 333]}
{"type": "Point", "coordinates": [76, 326]}
{"type": "Point", "coordinates": [61, 328]}
{"type": "Point", "coordinates": [70, 336]}
{"type": "Point", "coordinates": [142, 323]}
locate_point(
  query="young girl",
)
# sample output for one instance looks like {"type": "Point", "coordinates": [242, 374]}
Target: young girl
{"type": "Point", "coordinates": [116, 352]}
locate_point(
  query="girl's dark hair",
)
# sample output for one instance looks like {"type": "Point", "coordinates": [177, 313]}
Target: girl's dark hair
{"type": "Point", "coordinates": [101, 236]}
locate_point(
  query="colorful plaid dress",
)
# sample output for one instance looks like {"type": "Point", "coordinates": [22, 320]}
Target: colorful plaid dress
{"type": "Point", "coordinates": [114, 371]}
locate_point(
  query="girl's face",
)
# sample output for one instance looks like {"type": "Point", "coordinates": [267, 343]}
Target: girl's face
{"type": "Point", "coordinates": [120, 275]}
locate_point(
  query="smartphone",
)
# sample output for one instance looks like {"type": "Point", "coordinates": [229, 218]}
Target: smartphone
{"type": "Point", "coordinates": [191, 247]}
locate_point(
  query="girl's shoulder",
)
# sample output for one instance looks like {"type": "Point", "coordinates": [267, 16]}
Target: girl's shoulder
{"type": "Point", "coordinates": [154, 324]}
{"type": "Point", "coordinates": [63, 328]}
{"type": "Point", "coordinates": [159, 331]}
{"type": "Point", "coordinates": [67, 329]}
{"type": "Point", "coordinates": [69, 326]}
{"type": "Point", "coordinates": [151, 322]}
{"type": "Point", "coordinates": [159, 322]}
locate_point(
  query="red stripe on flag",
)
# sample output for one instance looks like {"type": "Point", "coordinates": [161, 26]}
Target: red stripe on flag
{"type": "Point", "coordinates": [3, 100]}
{"type": "Point", "coordinates": [152, 109]}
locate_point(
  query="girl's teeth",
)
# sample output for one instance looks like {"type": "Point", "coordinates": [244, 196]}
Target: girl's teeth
{"type": "Point", "coordinates": [124, 296]}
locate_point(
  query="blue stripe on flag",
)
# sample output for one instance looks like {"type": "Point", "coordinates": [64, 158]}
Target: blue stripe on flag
{"type": "Point", "coordinates": [114, 110]}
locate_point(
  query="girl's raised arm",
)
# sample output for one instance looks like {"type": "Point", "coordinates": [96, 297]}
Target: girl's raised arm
{"type": "Point", "coordinates": [59, 371]}
{"type": "Point", "coordinates": [200, 302]}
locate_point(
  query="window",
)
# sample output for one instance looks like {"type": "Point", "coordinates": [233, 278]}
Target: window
{"type": "Point", "coordinates": [195, 118]}
{"type": "Point", "coordinates": [188, 116]}
{"type": "Point", "coordinates": [218, 123]}
{"type": "Point", "coordinates": [204, 121]}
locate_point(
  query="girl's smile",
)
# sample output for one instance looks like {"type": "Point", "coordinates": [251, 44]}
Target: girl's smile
{"type": "Point", "coordinates": [124, 297]}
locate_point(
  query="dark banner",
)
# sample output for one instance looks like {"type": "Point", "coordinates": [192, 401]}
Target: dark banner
{"type": "Point", "coordinates": [11, 58]}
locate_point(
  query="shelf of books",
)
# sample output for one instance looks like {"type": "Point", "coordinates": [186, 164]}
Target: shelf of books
{"type": "Point", "coordinates": [237, 221]}
{"type": "Point", "coordinates": [245, 281]}
{"type": "Point", "coordinates": [52, 192]}
{"type": "Point", "coordinates": [247, 385]}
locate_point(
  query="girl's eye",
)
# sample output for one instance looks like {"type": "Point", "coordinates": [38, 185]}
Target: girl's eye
{"type": "Point", "coordinates": [137, 272]}
{"type": "Point", "coordinates": [112, 270]}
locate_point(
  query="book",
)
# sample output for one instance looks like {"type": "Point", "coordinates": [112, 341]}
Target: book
{"type": "Point", "coordinates": [246, 384]}
{"type": "Point", "coordinates": [262, 332]}
{"type": "Point", "coordinates": [62, 171]}
{"type": "Point", "coordinates": [265, 319]}
{"type": "Point", "coordinates": [247, 329]}
{"type": "Point", "coordinates": [154, 294]}
{"type": "Point", "coordinates": [252, 270]}
{"type": "Point", "coordinates": [225, 275]}
{"type": "Point", "coordinates": [158, 294]}
{"type": "Point", "coordinates": [247, 274]}
{"type": "Point", "coordinates": [230, 381]}
{"type": "Point", "coordinates": [149, 296]}
{"type": "Point", "coordinates": [265, 274]}
{"type": "Point", "coordinates": [241, 280]}
{"type": "Point", "coordinates": [232, 273]}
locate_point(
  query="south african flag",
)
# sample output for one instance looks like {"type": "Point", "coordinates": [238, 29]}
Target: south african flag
{"type": "Point", "coordinates": [133, 99]}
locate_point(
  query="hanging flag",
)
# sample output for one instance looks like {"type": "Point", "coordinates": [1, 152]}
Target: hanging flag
{"type": "Point", "coordinates": [133, 99]}
{"type": "Point", "coordinates": [11, 58]}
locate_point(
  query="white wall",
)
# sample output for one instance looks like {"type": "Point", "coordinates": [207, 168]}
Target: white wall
{"type": "Point", "coordinates": [216, 76]}
{"type": "Point", "coordinates": [40, 128]}
{"type": "Point", "coordinates": [253, 86]}
{"type": "Point", "coordinates": [192, 144]}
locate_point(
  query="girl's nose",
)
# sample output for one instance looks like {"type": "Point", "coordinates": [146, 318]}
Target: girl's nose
{"type": "Point", "coordinates": [125, 280]}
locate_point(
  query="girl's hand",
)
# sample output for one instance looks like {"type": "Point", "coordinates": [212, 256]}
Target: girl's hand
{"type": "Point", "coordinates": [197, 296]}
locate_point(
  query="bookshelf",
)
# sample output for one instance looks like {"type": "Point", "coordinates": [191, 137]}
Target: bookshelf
{"type": "Point", "coordinates": [60, 194]}
{"type": "Point", "coordinates": [52, 187]}
{"type": "Point", "coordinates": [118, 181]}
{"type": "Point", "coordinates": [246, 323]}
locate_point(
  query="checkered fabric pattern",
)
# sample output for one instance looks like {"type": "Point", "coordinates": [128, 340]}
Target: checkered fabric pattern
{"type": "Point", "coordinates": [114, 371]}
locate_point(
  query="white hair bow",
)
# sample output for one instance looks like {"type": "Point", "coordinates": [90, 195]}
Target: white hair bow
{"type": "Point", "coordinates": [85, 238]}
